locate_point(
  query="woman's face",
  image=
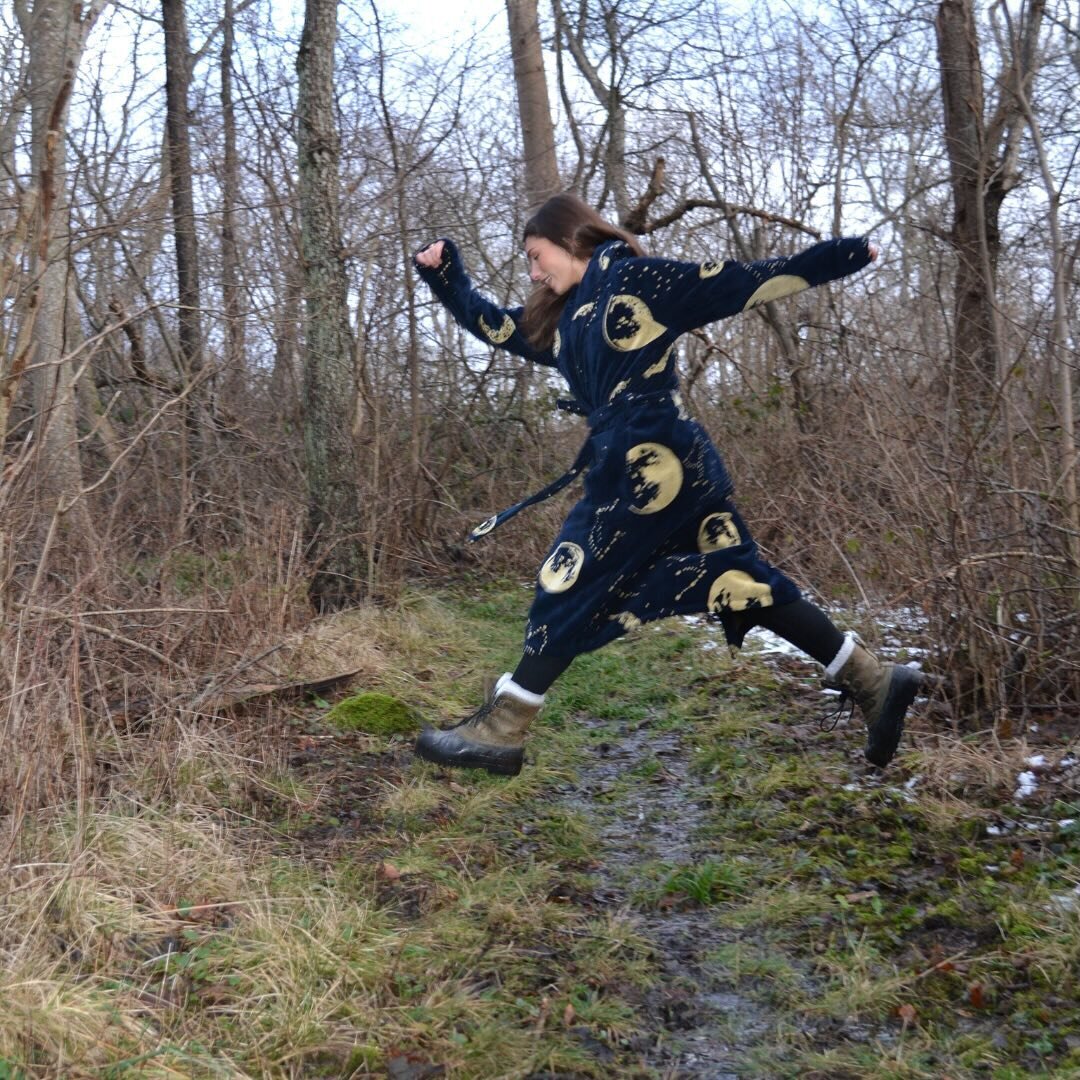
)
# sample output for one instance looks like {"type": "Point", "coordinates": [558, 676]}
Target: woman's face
{"type": "Point", "coordinates": [552, 265]}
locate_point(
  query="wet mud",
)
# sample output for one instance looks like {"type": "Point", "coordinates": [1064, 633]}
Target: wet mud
{"type": "Point", "coordinates": [701, 1025]}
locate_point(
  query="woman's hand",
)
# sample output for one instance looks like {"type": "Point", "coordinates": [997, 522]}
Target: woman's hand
{"type": "Point", "coordinates": [872, 250]}
{"type": "Point", "coordinates": [431, 256]}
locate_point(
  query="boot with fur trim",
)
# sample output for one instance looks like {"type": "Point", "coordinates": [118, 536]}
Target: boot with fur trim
{"type": "Point", "coordinates": [492, 738]}
{"type": "Point", "coordinates": [883, 692]}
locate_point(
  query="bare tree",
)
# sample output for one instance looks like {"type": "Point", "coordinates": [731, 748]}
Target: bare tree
{"type": "Point", "coordinates": [56, 36]}
{"type": "Point", "coordinates": [333, 509]}
{"type": "Point", "coordinates": [534, 108]}
{"type": "Point", "coordinates": [607, 91]}
{"type": "Point", "coordinates": [177, 80]}
{"type": "Point", "coordinates": [982, 151]}
{"type": "Point", "coordinates": [230, 196]}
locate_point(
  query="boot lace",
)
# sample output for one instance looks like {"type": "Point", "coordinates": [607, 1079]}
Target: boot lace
{"type": "Point", "coordinates": [845, 709]}
{"type": "Point", "coordinates": [475, 717]}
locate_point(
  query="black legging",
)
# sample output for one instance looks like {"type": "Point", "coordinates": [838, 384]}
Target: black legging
{"type": "Point", "coordinates": [802, 623]}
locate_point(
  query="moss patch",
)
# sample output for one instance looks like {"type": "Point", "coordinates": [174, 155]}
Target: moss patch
{"type": "Point", "coordinates": [374, 714]}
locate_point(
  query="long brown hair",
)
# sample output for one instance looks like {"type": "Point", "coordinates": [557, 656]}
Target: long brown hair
{"type": "Point", "coordinates": [577, 228]}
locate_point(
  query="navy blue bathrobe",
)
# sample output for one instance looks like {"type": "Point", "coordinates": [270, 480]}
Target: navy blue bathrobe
{"type": "Point", "coordinates": [655, 532]}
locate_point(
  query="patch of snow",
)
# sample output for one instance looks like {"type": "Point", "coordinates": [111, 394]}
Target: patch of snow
{"type": "Point", "coordinates": [709, 646]}
{"type": "Point", "coordinates": [1026, 785]}
{"type": "Point", "coordinates": [1036, 760]}
{"type": "Point", "coordinates": [994, 830]}
{"type": "Point", "coordinates": [852, 787]}
{"type": "Point", "coordinates": [1064, 823]}
{"type": "Point", "coordinates": [1067, 762]}
{"type": "Point", "coordinates": [910, 784]}
{"type": "Point", "coordinates": [768, 642]}
{"type": "Point", "coordinates": [1033, 727]}
{"type": "Point", "coordinates": [1069, 900]}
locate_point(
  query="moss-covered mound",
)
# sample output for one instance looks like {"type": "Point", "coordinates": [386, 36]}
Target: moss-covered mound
{"type": "Point", "coordinates": [374, 714]}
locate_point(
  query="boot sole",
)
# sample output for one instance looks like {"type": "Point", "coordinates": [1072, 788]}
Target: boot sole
{"type": "Point", "coordinates": [883, 740]}
{"type": "Point", "coordinates": [448, 748]}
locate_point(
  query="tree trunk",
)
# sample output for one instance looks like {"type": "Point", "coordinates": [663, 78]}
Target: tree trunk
{"type": "Point", "coordinates": [534, 107]}
{"type": "Point", "coordinates": [975, 235]}
{"type": "Point", "coordinates": [333, 502]}
{"type": "Point", "coordinates": [177, 79]}
{"type": "Point", "coordinates": [230, 188]}
{"type": "Point", "coordinates": [56, 35]}
{"type": "Point", "coordinates": [982, 170]}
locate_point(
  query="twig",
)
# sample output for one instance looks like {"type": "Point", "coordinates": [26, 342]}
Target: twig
{"type": "Point", "coordinates": [75, 620]}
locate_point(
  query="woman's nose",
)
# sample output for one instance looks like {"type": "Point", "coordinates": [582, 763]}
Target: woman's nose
{"type": "Point", "coordinates": [535, 274]}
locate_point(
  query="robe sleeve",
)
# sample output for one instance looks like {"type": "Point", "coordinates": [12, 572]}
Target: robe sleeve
{"type": "Point", "coordinates": [493, 325]}
{"type": "Point", "coordinates": [682, 296]}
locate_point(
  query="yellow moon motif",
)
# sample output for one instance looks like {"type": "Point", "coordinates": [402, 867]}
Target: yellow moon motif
{"type": "Point", "coordinates": [629, 324]}
{"type": "Point", "coordinates": [736, 590]}
{"type": "Point", "coordinates": [717, 532]}
{"type": "Point", "coordinates": [584, 309]}
{"type": "Point", "coordinates": [656, 477]}
{"type": "Point", "coordinates": [497, 337]}
{"type": "Point", "coordinates": [556, 343]}
{"type": "Point", "coordinates": [775, 288]}
{"type": "Point", "coordinates": [562, 567]}
{"type": "Point", "coordinates": [605, 261]}
{"type": "Point", "coordinates": [710, 269]}
{"type": "Point", "coordinates": [661, 365]}
{"type": "Point", "coordinates": [619, 388]}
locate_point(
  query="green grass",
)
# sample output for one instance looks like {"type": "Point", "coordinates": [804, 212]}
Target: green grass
{"type": "Point", "coordinates": [311, 902]}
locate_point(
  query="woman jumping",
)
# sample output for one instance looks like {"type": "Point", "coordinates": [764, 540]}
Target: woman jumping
{"type": "Point", "coordinates": [656, 532]}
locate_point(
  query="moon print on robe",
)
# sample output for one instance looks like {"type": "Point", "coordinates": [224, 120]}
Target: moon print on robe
{"type": "Point", "coordinates": [556, 343]}
{"type": "Point", "coordinates": [562, 567]}
{"type": "Point", "coordinates": [710, 269]}
{"type": "Point", "coordinates": [504, 333]}
{"type": "Point", "coordinates": [629, 324]}
{"type": "Point", "coordinates": [661, 365]}
{"type": "Point", "coordinates": [736, 590]}
{"type": "Point", "coordinates": [775, 288]}
{"type": "Point", "coordinates": [656, 477]}
{"type": "Point", "coordinates": [717, 532]}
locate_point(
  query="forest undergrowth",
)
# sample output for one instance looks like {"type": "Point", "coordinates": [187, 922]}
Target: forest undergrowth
{"type": "Point", "coordinates": [258, 890]}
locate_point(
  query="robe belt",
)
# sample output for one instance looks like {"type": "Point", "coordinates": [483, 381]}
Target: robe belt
{"type": "Point", "coordinates": [598, 418]}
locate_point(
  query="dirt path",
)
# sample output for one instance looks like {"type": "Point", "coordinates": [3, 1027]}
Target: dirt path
{"type": "Point", "coordinates": [701, 1026]}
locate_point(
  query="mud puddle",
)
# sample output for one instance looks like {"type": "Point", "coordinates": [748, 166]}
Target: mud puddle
{"type": "Point", "coordinates": [647, 808]}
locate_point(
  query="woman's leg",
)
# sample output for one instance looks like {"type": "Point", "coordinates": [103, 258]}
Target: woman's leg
{"type": "Point", "coordinates": [882, 691]}
{"type": "Point", "coordinates": [806, 626]}
{"type": "Point", "coordinates": [537, 673]}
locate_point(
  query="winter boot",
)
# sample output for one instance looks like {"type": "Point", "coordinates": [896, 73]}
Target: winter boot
{"type": "Point", "coordinates": [882, 691]}
{"type": "Point", "coordinates": [491, 738]}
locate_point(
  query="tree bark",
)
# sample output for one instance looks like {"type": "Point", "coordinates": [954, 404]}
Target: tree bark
{"type": "Point", "coordinates": [56, 34]}
{"type": "Point", "coordinates": [177, 79]}
{"type": "Point", "coordinates": [534, 107]}
{"type": "Point", "coordinates": [982, 170]}
{"type": "Point", "coordinates": [333, 502]}
{"type": "Point", "coordinates": [230, 188]}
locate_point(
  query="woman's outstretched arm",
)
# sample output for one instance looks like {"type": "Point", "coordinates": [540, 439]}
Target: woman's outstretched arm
{"type": "Point", "coordinates": [439, 264]}
{"type": "Point", "coordinates": [682, 296]}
